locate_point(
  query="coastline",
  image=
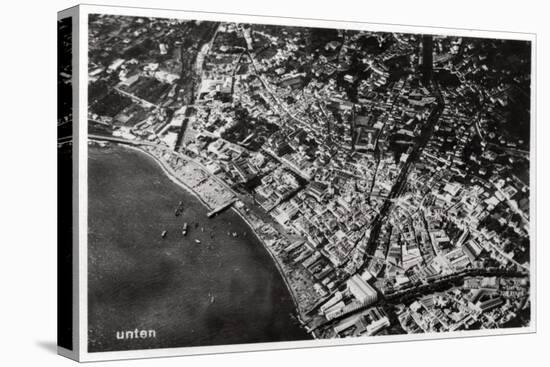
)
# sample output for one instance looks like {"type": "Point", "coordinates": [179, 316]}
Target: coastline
{"type": "Point", "coordinates": [168, 171]}
{"type": "Point", "coordinates": [275, 260]}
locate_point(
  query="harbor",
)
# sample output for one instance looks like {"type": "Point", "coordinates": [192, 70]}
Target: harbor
{"type": "Point", "coordinates": [188, 289]}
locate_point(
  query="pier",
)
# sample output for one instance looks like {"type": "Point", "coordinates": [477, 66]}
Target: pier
{"type": "Point", "coordinates": [220, 208]}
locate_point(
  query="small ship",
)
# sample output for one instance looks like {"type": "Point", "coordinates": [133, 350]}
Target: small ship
{"type": "Point", "coordinates": [179, 209]}
{"type": "Point", "coordinates": [197, 241]}
{"type": "Point", "coordinates": [184, 229]}
{"type": "Point", "coordinates": [163, 235]}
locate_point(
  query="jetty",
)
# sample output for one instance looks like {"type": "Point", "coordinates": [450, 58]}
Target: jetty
{"type": "Point", "coordinates": [221, 208]}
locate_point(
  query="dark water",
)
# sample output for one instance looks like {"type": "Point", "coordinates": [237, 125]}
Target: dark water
{"type": "Point", "coordinates": [225, 290]}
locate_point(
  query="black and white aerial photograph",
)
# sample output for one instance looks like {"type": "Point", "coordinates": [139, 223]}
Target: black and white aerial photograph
{"type": "Point", "coordinates": [258, 183]}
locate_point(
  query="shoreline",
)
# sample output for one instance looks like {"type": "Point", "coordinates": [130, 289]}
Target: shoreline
{"type": "Point", "coordinates": [275, 260]}
{"type": "Point", "coordinates": [168, 171]}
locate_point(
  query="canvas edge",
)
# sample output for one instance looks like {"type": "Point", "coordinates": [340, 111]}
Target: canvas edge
{"type": "Point", "coordinates": [82, 12]}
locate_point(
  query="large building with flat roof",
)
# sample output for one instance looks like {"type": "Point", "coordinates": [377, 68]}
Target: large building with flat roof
{"type": "Point", "coordinates": [361, 290]}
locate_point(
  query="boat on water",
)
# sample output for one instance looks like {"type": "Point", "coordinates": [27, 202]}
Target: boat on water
{"type": "Point", "coordinates": [212, 297]}
{"type": "Point", "coordinates": [179, 209]}
{"type": "Point", "coordinates": [164, 233]}
{"type": "Point", "coordinates": [235, 234]}
{"type": "Point", "coordinates": [197, 241]}
{"type": "Point", "coordinates": [184, 229]}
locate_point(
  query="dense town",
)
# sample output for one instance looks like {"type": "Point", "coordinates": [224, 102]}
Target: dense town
{"type": "Point", "coordinates": [387, 174]}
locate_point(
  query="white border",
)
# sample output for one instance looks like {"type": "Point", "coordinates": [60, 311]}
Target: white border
{"type": "Point", "coordinates": [86, 9]}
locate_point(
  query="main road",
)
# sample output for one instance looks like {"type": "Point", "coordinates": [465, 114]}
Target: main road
{"type": "Point", "coordinates": [399, 185]}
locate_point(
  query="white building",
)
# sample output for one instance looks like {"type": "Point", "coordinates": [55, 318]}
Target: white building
{"type": "Point", "coordinates": [361, 290]}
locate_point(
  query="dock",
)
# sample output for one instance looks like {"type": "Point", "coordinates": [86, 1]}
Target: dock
{"type": "Point", "coordinates": [221, 208]}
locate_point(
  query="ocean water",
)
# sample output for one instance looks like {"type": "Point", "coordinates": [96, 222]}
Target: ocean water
{"type": "Point", "coordinates": [225, 290]}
